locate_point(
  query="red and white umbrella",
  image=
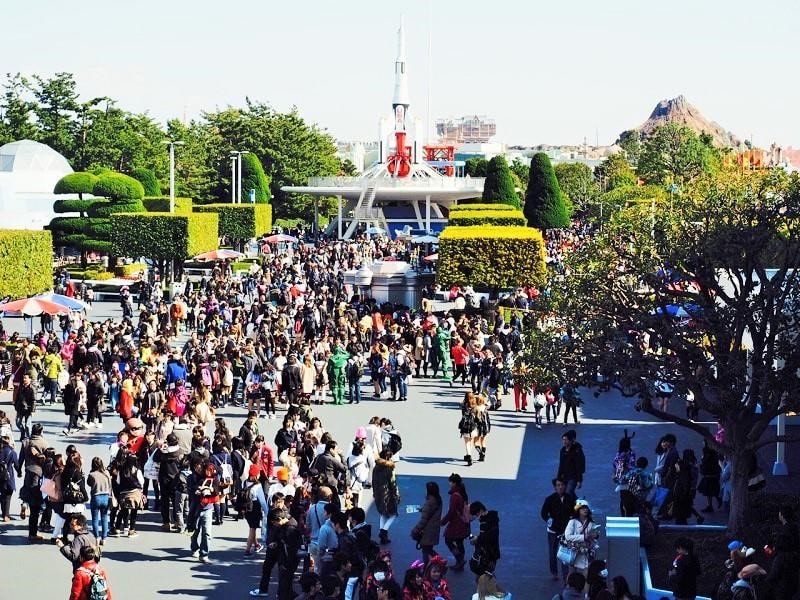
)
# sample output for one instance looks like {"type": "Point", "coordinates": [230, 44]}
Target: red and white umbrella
{"type": "Point", "coordinates": [280, 237]}
{"type": "Point", "coordinates": [432, 257]}
{"type": "Point", "coordinates": [33, 307]}
{"type": "Point", "coordinates": [219, 255]}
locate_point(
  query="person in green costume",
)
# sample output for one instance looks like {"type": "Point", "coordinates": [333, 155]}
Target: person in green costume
{"type": "Point", "coordinates": [337, 378]}
{"type": "Point", "coordinates": [443, 350]}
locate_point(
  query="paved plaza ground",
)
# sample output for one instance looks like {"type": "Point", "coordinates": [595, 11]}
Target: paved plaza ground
{"type": "Point", "coordinates": [515, 478]}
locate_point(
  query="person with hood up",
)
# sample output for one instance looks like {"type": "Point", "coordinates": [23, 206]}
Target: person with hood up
{"type": "Point", "coordinates": [175, 370]}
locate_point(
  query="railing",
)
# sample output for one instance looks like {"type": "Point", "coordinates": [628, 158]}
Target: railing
{"type": "Point", "coordinates": [445, 183]}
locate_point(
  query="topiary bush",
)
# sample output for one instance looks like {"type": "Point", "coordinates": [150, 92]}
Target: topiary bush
{"type": "Point", "coordinates": [491, 256]}
{"type": "Point", "coordinates": [148, 180]}
{"type": "Point", "coordinates": [161, 204]}
{"type": "Point", "coordinates": [106, 209]}
{"type": "Point", "coordinates": [253, 177]}
{"type": "Point", "coordinates": [117, 186]}
{"type": "Point", "coordinates": [240, 221]}
{"type": "Point", "coordinates": [164, 236]}
{"type": "Point", "coordinates": [499, 184]}
{"type": "Point", "coordinates": [79, 183]}
{"type": "Point", "coordinates": [544, 202]}
{"type": "Point", "coordinates": [486, 217]}
{"type": "Point", "coordinates": [73, 206]}
{"type": "Point", "coordinates": [26, 262]}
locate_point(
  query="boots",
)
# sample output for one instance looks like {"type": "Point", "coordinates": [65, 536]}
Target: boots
{"type": "Point", "coordinates": [468, 459]}
{"type": "Point", "coordinates": [481, 453]}
{"type": "Point", "coordinates": [383, 537]}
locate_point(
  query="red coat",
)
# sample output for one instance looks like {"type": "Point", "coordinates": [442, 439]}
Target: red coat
{"type": "Point", "coordinates": [456, 528]}
{"type": "Point", "coordinates": [125, 407]}
{"type": "Point", "coordinates": [81, 581]}
{"type": "Point", "coordinates": [460, 354]}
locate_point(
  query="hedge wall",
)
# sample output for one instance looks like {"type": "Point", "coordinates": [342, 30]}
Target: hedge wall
{"type": "Point", "coordinates": [26, 262]}
{"type": "Point", "coordinates": [240, 221]}
{"type": "Point", "coordinates": [491, 256]}
{"type": "Point", "coordinates": [164, 236]}
{"type": "Point", "coordinates": [467, 218]}
{"type": "Point", "coordinates": [161, 204]}
{"type": "Point", "coordinates": [484, 206]}
{"type": "Point", "coordinates": [106, 209]}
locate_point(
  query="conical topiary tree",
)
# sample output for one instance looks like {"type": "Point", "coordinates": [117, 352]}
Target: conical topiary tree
{"type": "Point", "coordinates": [499, 185]}
{"type": "Point", "coordinates": [254, 178]}
{"type": "Point", "coordinates": [148, 180]}
{"type": "Point", "coordinates": [544, 202]}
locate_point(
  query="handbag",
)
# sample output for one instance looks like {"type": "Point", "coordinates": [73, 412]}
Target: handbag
{"type": "Point", "coordinates": [660, 497]}
{"type": "Point", "coordinates": [566, 555]}
{"type": "Point", "coordinates": [51, 490]}
{"type": "Point", "coordinates": [151, 467]}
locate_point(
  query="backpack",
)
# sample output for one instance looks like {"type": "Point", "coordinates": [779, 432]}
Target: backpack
{"type": "Point", "coordinates": [98, 586]}
{"type": "Point", "coordinates": [244, 501]}
{"type": "Point", "coordinates": [392, 440]}
{"type": "Point", "coordinates": [467, 423]}
{"type": "Point", "coordinates": [3, 474]}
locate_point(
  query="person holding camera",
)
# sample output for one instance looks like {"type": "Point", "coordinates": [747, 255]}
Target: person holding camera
{"type": "Point", "coordinates": [204, 492]}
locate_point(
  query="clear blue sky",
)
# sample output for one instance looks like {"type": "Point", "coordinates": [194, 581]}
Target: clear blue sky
{"type": "Point", "coordinates": [548, 72]}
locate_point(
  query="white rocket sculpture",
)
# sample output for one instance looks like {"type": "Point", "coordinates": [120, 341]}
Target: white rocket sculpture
{"type": "Point", "coordinates": [399, 163]}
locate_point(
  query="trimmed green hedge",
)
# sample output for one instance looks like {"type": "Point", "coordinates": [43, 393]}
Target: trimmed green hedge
{"type": "Point", "coordinates": [466, 218]}
{"type": "Point", "coordinates": [76, 183]}
{"type": "Point", "coordinates": [240, 221]}
{"type": "Point", "coordinates": [254, 178]}
{"type": "Point", "coordinates": [481, 206]}
{"type": "Point", "coordinates": [129, 270]}
{"type": "Point", "coordinates": [491, 256]}
{"type": "Point", "coordinates": [161, 204]}
{"type": "Point", "coordinates": [117, 186]}
{"type": "Point", "coordinates": [164, 236]}
{"type": "Point", "coordinates": [106, 209]}
{"type": "Point", "coordinates": [26, 262]}
{"type": "Point", "coordinates": [73, 206]}
{"type": "Point", "coordinates": [148, 180]}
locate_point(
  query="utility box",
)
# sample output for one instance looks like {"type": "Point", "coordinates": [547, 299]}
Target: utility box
{"type": "Point", "coordinates": [622, 556]}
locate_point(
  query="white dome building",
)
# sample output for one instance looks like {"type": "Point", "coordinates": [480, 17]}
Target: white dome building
{"type": "Point", "coordinates": [28, 173]}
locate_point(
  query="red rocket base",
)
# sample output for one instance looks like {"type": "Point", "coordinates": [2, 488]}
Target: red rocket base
{"type": "Point", "coordinates": [399, 163]}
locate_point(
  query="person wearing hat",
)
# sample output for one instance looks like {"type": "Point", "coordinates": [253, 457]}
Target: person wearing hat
{"type": "Point", "coordinates": [744, 588]}
{"type": "Point", "coordinates": [583, 532]}
{"type": "Point", "coordinates": [282, 485]}
{"type": "Point", "coordinates": [254, 508]}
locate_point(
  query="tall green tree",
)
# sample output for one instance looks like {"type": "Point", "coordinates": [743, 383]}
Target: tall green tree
{"type": "Point", "coordinates": [576, 180]}
{"type": "Point", "coordinates": [521, 171]}
{"type": "Point", "coordinates": [16, 111]}
{"type": "Point", "coordinates": [728, 252]}
{"type": "Point", "coordinates": [613, 172]}
{"type": "Point", "coordinates": [544, 202]}
{"type": "Point", "coordinates": [56, 111]}
{"type": "Point", "coordinates": [499, 185]}
{"type": "Point", "coordinates": [476, 166]}
{"type": "Point", "coordinates": [674, 153]}
{"type": "Point", "coordinates": [631, 144]}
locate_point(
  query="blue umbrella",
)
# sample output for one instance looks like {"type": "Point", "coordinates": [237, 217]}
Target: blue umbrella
{"type": "Point", "coordinates": [672, 310]}
{"type": "Point", "coordinates": [65, 301]}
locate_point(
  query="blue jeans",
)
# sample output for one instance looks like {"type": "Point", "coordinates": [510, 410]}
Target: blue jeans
{"type": "Point", "coordinates": [99, 506]}
{"type": "Point", "coordinates": [22, 426]}
{"type": "Point", "coordinates": [402, 386]}
{"type": "Point", "coordinates": [201, 538]}
{"type": "Point", "coordinates": [355, 391]}
{"type": "Point", "coordinates": [51, 387]}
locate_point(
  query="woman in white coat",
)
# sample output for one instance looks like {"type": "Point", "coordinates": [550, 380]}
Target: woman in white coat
{"type": "Point", "coordinates": [582, 533]}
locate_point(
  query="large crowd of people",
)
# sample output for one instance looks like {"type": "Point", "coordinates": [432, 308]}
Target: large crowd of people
{"type": "Point", "coordinates": [274, 343]}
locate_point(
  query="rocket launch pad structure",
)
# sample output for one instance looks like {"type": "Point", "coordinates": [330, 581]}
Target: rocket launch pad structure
{"type": "Point", "coordinates": [401, 190]}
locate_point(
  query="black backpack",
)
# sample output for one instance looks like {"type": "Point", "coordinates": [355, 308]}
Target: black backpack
{"type": "Point", "coordinates": [244, 502]}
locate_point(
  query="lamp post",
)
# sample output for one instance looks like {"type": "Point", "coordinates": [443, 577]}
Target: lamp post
{"type": "Point", "coordinates": [238, 155]}
{"type": "Point", "coordinates": [233, 179]}
{"type": "Point", "coordinates": [172, 144]}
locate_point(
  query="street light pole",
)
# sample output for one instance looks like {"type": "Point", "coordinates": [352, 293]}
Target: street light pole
{"type": "Point", "coordinates": [238, 154]}
{"type": "Point", "coordinates": [172, 145]}
{"type": "Point", "coordinates": [233, 179]}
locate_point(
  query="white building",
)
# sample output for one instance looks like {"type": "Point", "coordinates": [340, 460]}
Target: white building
{"type": "Point", "coordinates": [28, 173]}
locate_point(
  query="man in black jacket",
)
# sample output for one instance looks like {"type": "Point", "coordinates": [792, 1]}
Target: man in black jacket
{"type": "Point", "coordinates": [572, 462]}
{"type": "Point", "coordinates": [291, 381]}
{"type": "Point", "coordinates": [487, 542]}
{"type": "Point", "coordinates": [25, 405]}
{"type": "Point", "coordinates": [170, 460]}
{"type": "Point", "coordinates": [557, 510]}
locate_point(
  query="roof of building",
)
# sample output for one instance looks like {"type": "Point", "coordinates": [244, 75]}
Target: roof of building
{"type": "Point", "coordinates": [29, 156]}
